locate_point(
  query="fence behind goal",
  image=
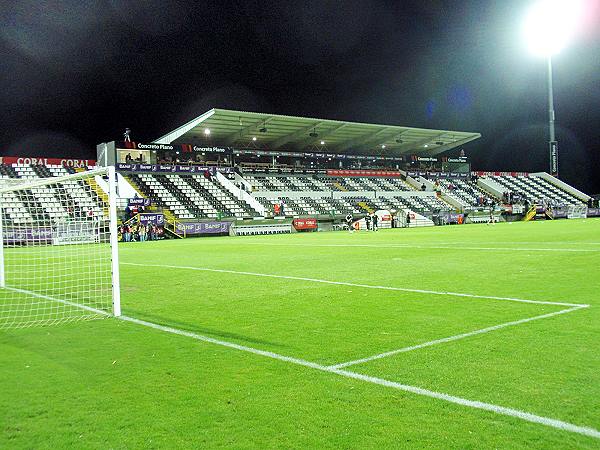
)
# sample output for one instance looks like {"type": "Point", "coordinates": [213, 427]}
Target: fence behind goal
{"type": "Point", "coordinates": [59, 258]}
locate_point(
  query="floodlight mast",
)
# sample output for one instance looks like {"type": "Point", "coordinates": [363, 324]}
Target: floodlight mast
{"type": "Point", "coordinates": [549, 26]}
{"type": "Point", "coordinates": [553, 144]}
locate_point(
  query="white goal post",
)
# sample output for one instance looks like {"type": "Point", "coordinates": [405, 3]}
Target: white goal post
{"type": "Point", "coordinates": [59, 259]}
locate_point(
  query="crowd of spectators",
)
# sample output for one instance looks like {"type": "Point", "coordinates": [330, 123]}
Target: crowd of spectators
{"type": "Point", "coordinates": [139, 232]}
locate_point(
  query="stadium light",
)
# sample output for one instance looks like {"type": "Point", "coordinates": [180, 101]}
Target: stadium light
{"type": "Point", "coordinates": [382, 146]}
{"type": "Point", "coordinates": [548, 27]}
{"type": "Point", "coordinates": [254, 138]}
{"type": "Point", "coordinates": [322, 142]}
{"type": "Point", "coordinates": [207, 131]}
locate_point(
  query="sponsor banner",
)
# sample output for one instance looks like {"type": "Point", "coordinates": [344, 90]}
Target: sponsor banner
{"type": "Point", "coordinates": [183, 148]}
{"type": "Point", "coordinates": [139, 201]}
{"type": "Point", "coordinates": [30, 236]}
{"type": "Point", "coordinates": [152, 218]}
{"type": "Point", "coordinates": [163, 168]}
{"type": "Point", "coordinates": [559, 212]}
{"type": "Point", "coordinates": [452, 217]}
{"type": "Point", "coordinates": [203, 227]}
{"type": "Point", "coordinates": [593, 212]}
{"type": "Point", "coordinates": [76, 233]}
{"type": "Point", "coordinates": [498, 174]}
{"type": "Point", "coordinates": [305, 224]}
{"type": "Point", "coordinates": [363, 173]}
{"type": "Point", "coordinates": [69, 162]}
{"type": "Point", "coordinates": [191, 148]}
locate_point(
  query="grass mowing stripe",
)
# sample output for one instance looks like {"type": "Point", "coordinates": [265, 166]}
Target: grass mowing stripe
{"type": "Point", "coordinates": [366, 286]}
{"type": "Point", "coordinates": [434, 247]}
{"type": "Point", "coordinates": [515, 413]}
{"type": "Point", "coordinates": [452, 338]}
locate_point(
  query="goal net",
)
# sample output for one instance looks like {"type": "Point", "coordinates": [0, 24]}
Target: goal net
{"type": "Point", "coordinates": [58, 259]}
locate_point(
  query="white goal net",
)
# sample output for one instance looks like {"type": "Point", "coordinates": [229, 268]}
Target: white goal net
{"type": "Point", "coordinates": [58, 259]}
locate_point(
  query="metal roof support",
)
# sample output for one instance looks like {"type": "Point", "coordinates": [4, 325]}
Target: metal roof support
{"type": "Point", "coordinates": [363, 140]}
{"type": "Point", "coordinates": [326, 135]}
{"type": "Point", "coordinates": [414, 145]}
{"type": "Point", "coordinates": [238, 134]}
{"type": "Point", "coordinates": [295, 135]}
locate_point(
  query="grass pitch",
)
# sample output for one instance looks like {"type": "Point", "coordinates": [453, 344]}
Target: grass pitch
{"type": "Point", "coordinates": [327, 299]}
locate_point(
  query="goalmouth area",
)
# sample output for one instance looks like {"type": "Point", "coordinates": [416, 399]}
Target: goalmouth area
{"type": "Point", "coordinates": [458, 337]}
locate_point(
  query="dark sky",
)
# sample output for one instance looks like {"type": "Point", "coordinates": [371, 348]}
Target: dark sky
{"type": "Point", "coordinates": [76, 73]}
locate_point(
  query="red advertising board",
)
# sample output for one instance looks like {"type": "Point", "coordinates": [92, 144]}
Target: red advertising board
{"type": "Point", "coordinates": [70, 162]}
{"type": "Point", "coordinates": [305, 224]}
{"type": "Point", "coordinates": [363, 173]}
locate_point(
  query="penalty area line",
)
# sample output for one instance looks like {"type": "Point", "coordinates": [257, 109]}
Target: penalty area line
{"type": "Point", "coordinates": [366, 286]}
{"type": "Point", "coordinates": [510, 412]}
{"type": "Point", "coordinates": [452, 338]}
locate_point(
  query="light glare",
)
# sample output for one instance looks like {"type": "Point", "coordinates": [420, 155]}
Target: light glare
{"type": "Point", "coordinates": [551, 24]}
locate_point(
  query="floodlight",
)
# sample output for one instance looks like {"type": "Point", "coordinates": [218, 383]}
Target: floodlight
{"type": "Point", "coordinates": [254, 138]}
{"type": "Point", "coordinates": [551, 24]}
{"type": "Point", "coordinates": [207, 131]}
{"type": "Point", "coordinates": [382, 146]}
{"type": "Point", "coordinates": [322, 142]}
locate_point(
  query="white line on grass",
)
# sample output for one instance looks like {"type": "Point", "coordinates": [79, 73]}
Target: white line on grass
{"type": "Point", "coordinates": [64, 302]}
{"type": "Point", "coordinates": [553, 423]}
{"type": "Point", "coordinates": [451, 338]}
{"type": "Point", "coordinates": [510, 412]}
{"type": "Point", "coordinates": [433, 247]}
{"type": "Point", "coordinates": [366, 286]}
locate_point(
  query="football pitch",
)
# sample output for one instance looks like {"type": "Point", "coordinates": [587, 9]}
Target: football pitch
{"type": "Point", "coordinates": [469, 336]}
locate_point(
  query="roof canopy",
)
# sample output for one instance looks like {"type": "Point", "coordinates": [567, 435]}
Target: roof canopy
{"type": "Point", "coordinates": [278, 132]}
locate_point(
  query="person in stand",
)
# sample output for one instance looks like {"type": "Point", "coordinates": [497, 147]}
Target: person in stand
{"type": "Point", "coordinates": [368, 222]}
{"type": "Point", "coordinates": [127, 233]}
{"type": "Point", "coordinates": [276, 209]}
{"type": "Point", "coordinates": [491, 219]}
{"type": "Point", "coordinates": [423, 187]}
{"type": "Point", "coordinates": [282, 208]}
{"type": "Point", "coordinates": [349, 221]}
{"type": "Point", "coordinates": [375, 221]}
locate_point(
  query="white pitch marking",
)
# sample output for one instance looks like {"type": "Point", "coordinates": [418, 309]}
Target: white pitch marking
{"type": "Point", "coordinates": [510, 412]}
{"type": "Point", "coordinates": [65, 302]}
{"type": "Point", "coordinates": [434, 247]}
{"type": "Point", "coordinates": [451, 338]}
{"type": "Point", "coordinates": [366, 286]}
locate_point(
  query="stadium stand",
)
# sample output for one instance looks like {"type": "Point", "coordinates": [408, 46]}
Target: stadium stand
{"type": "Point", "coordinates": [534, 189]}
{"type": "Point", "coordinates": [190, 196]}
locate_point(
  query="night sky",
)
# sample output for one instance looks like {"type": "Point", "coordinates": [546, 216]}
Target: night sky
{"type": "Point", "coordinates": [76, 73]}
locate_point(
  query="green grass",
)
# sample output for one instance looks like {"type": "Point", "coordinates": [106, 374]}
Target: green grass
{"type": "Point", "coordinates": [114, 384]}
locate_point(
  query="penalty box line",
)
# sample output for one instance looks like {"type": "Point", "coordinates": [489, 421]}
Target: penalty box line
{"type": "Point", "coordinates": [451, 338]}
{"type": "Point", "coordinates": [366, 286]}
{"type": "Point", "coordinates": [502, 410]}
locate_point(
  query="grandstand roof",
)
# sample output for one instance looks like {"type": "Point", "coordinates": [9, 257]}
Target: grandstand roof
{"type": "Point", "coordinates": [279, 132]}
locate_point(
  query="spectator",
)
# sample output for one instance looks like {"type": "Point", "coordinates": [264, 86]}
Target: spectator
{"type": "Point", "coordinates": [142, 231]}
{"type": "Point", "coordinates": [281, 208]}
{"type": "Point", "coordinates": [423, 187]}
